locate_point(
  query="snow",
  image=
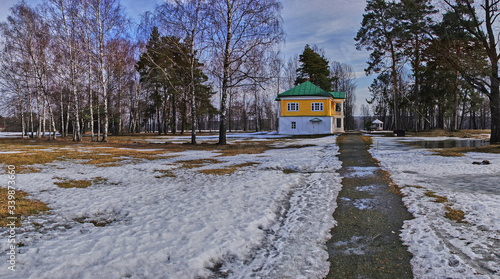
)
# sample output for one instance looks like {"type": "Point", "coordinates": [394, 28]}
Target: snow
{"type": "Point", "coordinates": [16, 134]}
{"type": "Point", "coordinates": [264, 135]}
{"type": "Point", "coordinates": [258, 221]}
{"type": "Point", "coordinates": [10, 134]}
{"type": "Point", "coordinates": [443, 248]}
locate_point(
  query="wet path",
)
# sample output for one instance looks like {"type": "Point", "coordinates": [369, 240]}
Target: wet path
{"type": "Point", "coordinates": [365, 242]}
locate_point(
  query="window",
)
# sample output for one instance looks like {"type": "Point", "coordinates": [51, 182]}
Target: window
{"type": "Point", "coordinates": [294, 125]}
{"type": "Point", "coordinates": [338, 107]}
{"type": "Point", "coordinates": [316, 106]}
{"type": "Point", "coordinates": [292, 107]}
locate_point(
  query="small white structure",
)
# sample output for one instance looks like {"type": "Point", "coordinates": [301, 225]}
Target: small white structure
{"type": "Point", "coordinates": [379, 125]}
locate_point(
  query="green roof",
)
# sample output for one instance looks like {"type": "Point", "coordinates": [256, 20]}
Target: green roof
{"type": "Point", "coordinates": [309, 89]}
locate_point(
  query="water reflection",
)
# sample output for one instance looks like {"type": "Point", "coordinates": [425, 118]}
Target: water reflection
{"type": "Point", "coordinates": [449, 143]}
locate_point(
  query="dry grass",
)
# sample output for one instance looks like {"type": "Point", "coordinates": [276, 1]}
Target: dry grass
{"type": "Point", "coordinates": [460, 151]}
{"type": "Point", "coordinates": [191, 164]}
{"type": "Point", "coordinates": [438, 198]}
{"type": "Point", "coordinates": [115, 154]}
{"type": "Point", "coordinates": [367, 140]}
{"type": "Point", "coordinates": [165, 173]}
{"type": "Point", "coordinates": [117, 151]}
{"type": "Point", "coordinates": [414, 186]}
{"type": "Point", "coordinates": [228, 170]}
{"type": "Point", "coordinates": [23, 207]}
{"type": "Point", "coordinates": [233, 150]}
{"type": "Point", "coordinates": [71, 183]}
{"type": "Point", "coordinates": [28, 157]}
{"type": "Point", "coordinates": [456, 215]}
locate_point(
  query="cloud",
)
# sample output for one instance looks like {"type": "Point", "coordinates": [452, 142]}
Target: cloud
{"type": "Point", "coordinates": [332, 26]}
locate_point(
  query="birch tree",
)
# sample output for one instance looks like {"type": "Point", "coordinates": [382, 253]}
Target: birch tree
{"type": "Point", "coordinates": [238, 28]}
{"type": "Point", "coordinates": [106, 22]}
{"type": "Point", "coordinates": [64, 15]}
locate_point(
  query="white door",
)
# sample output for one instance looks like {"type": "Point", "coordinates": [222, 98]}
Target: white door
{"type": "Point", "coordinates": [315, 127]}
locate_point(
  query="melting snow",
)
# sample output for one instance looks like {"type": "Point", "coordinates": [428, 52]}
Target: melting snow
{"type": "Point", "coordinates": [259, 218]}
{"type": "Point", "coordinates": [442, 248]}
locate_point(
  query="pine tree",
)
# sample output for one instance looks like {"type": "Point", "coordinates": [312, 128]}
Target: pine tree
{"type": "Point", "coordinates": [381, 33]}
{"type": "Point", "coordinates": [314, 68]}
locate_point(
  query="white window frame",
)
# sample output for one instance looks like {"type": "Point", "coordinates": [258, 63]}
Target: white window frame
{"type": "Point", "coordinates": [292, 106]}
{"type": "Point", "coordinates": [316, 106]}
{"type": "Point", "coordinates": [294, 125]}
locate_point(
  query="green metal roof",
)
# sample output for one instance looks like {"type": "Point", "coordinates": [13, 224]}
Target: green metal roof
{"type": "Point", "coordinates": [338, 95]}
{"type": "Point", "coordinates": [309, 89]}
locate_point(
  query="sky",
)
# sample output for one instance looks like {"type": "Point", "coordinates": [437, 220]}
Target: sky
{"type": "Point", "coordinates": [329, 24]}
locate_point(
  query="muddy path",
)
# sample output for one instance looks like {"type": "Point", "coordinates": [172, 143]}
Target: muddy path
{"type": "Point", "coordinates": [365, 242]}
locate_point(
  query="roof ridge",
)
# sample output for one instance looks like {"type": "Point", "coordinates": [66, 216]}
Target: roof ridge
{"type": "Point", "coordinates": [310, 89]}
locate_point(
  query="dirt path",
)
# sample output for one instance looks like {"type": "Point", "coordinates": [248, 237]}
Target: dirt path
{"type": "Point", "coordinates": [365, 243]}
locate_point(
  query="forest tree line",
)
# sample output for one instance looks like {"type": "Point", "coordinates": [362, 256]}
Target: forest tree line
{"type": "Point", "coordinates": [79, 67]}
{"type": "Point", "coordinates": [435, 68]}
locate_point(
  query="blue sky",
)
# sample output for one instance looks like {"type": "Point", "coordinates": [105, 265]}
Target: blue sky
{"type": "Point", "coordinates": [331, 25]}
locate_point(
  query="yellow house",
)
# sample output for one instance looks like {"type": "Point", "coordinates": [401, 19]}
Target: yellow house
{"type": "Point", "coordinates": [307, 110]}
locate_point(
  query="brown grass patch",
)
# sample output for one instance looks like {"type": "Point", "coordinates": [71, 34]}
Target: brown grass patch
{"type": "Point", "coordinates": [23, 207]}
{"type": "Point", "coordinates": [117, 151]}
{"type": "Point", "coordinates": [456, 215]}
{"type": "Point", "coordinates": [367, 140]}
{"type": "Point", "coordinates": [164, 173]}
{"type": "Point", "coordinates": [233, 150]}
{"type": "Point", "coordinates": [191, 164]}
{"type": "Point", "coordinates": [26, 158]}
{"type": "Point", "coordinates": [438, 198]}
{"type": "Point", "coordinates": [104, 157]}
{"type": "Point", "coordinates": [70, 183]}
{"type": "Point", "coordinates": [414, 186]}
{"type": "Point", "coordinates": [460, 151]}
{"type": "Point", "coordinates": [228, 170]}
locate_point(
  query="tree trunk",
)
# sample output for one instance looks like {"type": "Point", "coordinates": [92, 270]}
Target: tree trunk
{"type": "Point", "coordinates": [61, 107]}
{"type": "Point", "coordinates": [174, 116]}
{"type": "Point", "coordinates": [495, 112]}
{"type": "Point", "coordinates": [395, 88]}
{"type": "Point", "coordinates": [67, 118]}
{"type": "Point", "coordinates": [39, 128]}
{"type": "Point", "coordinates": [192, 90]}
{"type": "Point", "coordinates": [44, 121]}
{"type": "Point", "coordinates": [225, 77]}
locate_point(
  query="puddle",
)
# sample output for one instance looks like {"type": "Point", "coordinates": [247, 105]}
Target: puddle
{"type": "Point", "coordinates": [448, 143]}
{"type": "Point", "coordinates": [368, 188]}
{"type": "Point", "coordinates": [361, 171]}
{"type": "Point", "coordinates": [354, 246]}
{"type": "Point", "coordinates": [360, 204]}
{"type": "Point", "coordinates": [363, 204]}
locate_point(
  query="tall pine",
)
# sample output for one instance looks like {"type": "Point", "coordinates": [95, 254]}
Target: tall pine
{"type": "Point", "coordinates": [314, 67]}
